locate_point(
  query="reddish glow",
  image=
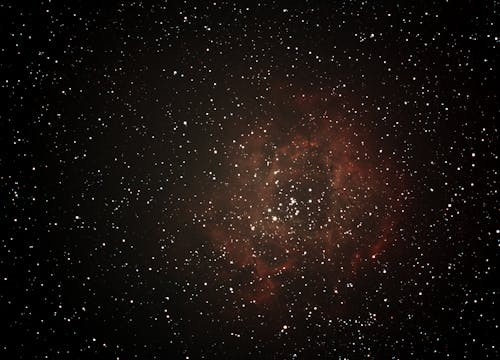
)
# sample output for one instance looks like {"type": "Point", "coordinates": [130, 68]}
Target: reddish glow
{"type": "Point", "coordinates": [311, 200]}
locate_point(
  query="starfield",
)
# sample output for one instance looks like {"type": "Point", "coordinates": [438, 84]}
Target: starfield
{"type": "Point", "coordinates": [249, 180]}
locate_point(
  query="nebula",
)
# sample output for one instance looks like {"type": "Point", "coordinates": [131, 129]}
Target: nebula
{"type": "Point", "coordinates": [316, 200]}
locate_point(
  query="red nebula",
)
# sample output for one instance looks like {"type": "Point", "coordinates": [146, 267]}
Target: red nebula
{"type": "Point", "coordinates": [319, 198]}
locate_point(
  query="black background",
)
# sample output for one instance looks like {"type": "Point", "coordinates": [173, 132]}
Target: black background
{"type": "Point", "coordinates": [100, 175]}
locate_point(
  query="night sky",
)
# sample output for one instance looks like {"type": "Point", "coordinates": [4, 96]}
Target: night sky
{"type": "Point", "coordinates": [249, 180]}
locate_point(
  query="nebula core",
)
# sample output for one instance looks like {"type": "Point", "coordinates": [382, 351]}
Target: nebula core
{"type": "Point", "coordinates": [318, 198]}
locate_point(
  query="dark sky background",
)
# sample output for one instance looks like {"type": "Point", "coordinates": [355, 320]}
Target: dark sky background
{"type": "Point", "coordinates": [261, 180]}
